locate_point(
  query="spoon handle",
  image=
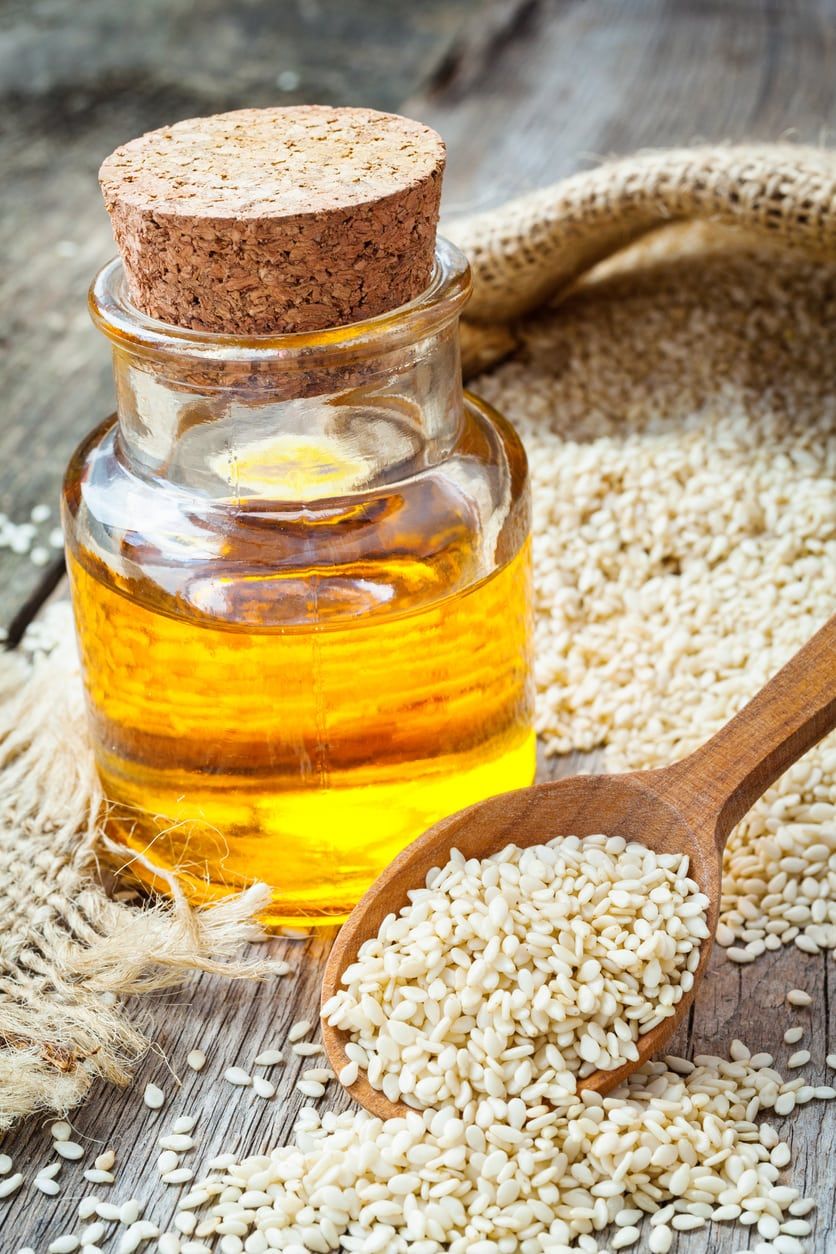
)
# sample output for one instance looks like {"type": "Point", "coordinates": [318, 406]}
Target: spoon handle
{"type": "Point", "coordinates": [721, 780]}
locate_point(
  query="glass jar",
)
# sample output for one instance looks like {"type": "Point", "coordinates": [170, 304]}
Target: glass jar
{"type": "Point", "coordinates": [300, 571]}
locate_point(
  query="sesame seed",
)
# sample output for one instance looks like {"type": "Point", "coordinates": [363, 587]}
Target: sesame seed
{"type": "Point", "coordinates": [10, 1184]}
{"type": "Point", "coordinates": [299, 1029]}
{"type": "Point", "coordinates": [269, 1058]}
{"type": "Point", "coordinates": [153, 1097]}
{"type": "Point", "coordinates": [196, 1059]}
{"type": "Point", "coordinates": [798, 997]}
{"type": "Point", "coordinates": [237, 1075]}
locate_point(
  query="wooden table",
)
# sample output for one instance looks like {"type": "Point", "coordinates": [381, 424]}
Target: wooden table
{"type": "Point", "coordinates": [524, 91]}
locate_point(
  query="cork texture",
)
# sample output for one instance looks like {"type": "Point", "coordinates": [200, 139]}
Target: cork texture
{"type": "Point", "coordinates": [276, 220]}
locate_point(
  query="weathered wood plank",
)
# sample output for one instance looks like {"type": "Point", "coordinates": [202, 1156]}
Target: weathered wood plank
{"type": "Point", "coordinates": [569, 83]}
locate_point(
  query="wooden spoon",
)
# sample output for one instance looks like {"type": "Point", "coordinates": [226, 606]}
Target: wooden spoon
{"type": "Point", "coordinates": [689, 807]}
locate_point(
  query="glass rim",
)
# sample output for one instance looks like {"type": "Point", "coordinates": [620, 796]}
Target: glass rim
{"type": "Point", "coordinates": [127, 327]}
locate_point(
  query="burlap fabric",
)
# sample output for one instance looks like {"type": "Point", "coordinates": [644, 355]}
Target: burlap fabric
{"type": "Point", "coordinates": [532, 249]}
{"type": "Point", "coordinates": [70, 950]}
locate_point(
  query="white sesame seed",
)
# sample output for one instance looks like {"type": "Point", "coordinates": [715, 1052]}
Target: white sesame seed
{"type": "Point", "coordinates": [48, 1186]}
{"type": "Point", "coordinates": [799, 1059]}
{"type": "Point", "coordinates": [65, 1244]}
{"type": "Point", "coordinates": [49, 1172]}
{"type": "Point", "coordinates": [153, 1097]}
{"type": "Point", "coordinates": [310, 1088]}
{"type": "Point", "coordinates": [349, 1073]}
{"type": "Point", "coordinates": [269, 1058]}
{"type": "Point", "coordinates": [196, 1059]}
{"type": "Point", "coordinates": [92, 1234]}
{"type": "Point", "coordinates": [105, 1161]}
{"type": "Point", "coordinates": [185, 1123]}
{"type": "Point", "coordinates": [299, 1029]}
{"type": "Point", "coordinates": [108, 1210]}
{"type": "Point", "coordinates": [61, 1131]}
{"type": "Point", "coordinates": [179, 1176]}
{"type": "Point", "coordinates": [178, 1141]}
{"type": "Point", "coordinates": [831, 1061]}
{"type": "Point", "coordinates": [167, 1161]}
{"type": "Point", "coordinates": [40, 513]}
{"type": "Point", "coordinates": [306, 1049]}
{"type": "Point", "coordinates": [263, 1088]}
{"type": "Point", "coordinates": [5, 1164]}
{"type": "Point", "coordinates": [237, 1075]}
{"type": "Point", "coordinates": [129, 1211]}
{"type": "Point", "coordinates": [96, 1176]}
{"type": "Point", "coordinates": [88, 1206]}
{"type": "Point", "coordinates": [10, 1184]}
{"type": "Point", "coordinates": [69, 1149]}
{"type": "Point", "coordinates": [169, 1243]}
{"type": "Point", "coordinates": [793, 1035]}
{"type": "Point", "coordinates": [798, 997]}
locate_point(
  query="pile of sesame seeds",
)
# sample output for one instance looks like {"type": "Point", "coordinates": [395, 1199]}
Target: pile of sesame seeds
{"type": "Point", "coordinates": [680, 422]}
{"type": "Point", "coordinates": [512, 975]}
{"type": "Point", "coordinates": [674, 1147]}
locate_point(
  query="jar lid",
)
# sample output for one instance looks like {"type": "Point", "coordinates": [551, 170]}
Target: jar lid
{"type": "Point", "coordinates": [276, 220]}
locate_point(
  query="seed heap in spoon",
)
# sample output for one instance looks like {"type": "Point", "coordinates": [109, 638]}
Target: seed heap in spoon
{"type": "Point", "coordinates": [517, 975]}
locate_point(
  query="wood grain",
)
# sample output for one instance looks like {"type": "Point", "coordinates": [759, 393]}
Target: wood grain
{"type": "Point", "coordinates": [533, 89]}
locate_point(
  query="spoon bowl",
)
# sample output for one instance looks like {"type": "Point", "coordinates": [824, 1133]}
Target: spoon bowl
{"type": "Point", "coordinates": [689, 808]}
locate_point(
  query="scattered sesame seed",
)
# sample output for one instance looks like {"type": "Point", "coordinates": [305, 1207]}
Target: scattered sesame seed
{"type": "Point", "coordinates": [237, 1075]}
{"type": "Point", "coordinates": [153, 1097]}
{"type": "Point", "coordinates": [799, 1059]}
{"type": "Point", "coordinates": [299, 1029]}
{"type": "Point", "coordinates": [69, 1149]}
{"type": "Point", "coordinates": [179, 1176]}
{"type": "Point", "coordinates": [263, 1088]}
{"type": "Point", "coordinates": [10, 1184]}
{"type": "Point", "coordinates": [178, 1141]}
{"type": "Point", "coordinates": [307, 1049]}
{"type": "Point", "coordinates": [47, 1185]}
{"type": "Point", "coordinates": [5, 1164]}
{"type": "Point", "coordinates": [310, 1088]}
{"type": "Point", "coordinates": [196, 1059]}
{"type": "Point", "coordinates": [185, 1123]}
{"type": "Point", "coordinates": [61, 1131]}
{"type": "Point", "coordinates": [793, 1035]}
{"type": "Point", "coordinates": [94, 1175]}
{"type": "Point", "coordinates": [798, 997]}
{"type": "Point", "coordinates": [269, 1058]}
{"type": "Point", "coordinates": [105, 1161]}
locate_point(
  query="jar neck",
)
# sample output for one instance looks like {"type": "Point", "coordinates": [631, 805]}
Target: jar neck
{"type": "Point", "coordinates": [290, 418]}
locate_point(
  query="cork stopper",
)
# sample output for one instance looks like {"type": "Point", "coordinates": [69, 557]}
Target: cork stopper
{"type": "Point", "coordinates": [276, 220]}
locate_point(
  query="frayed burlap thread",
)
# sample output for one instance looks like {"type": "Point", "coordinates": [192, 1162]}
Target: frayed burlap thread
{"type": "Point", "coordinates": [69, 952]}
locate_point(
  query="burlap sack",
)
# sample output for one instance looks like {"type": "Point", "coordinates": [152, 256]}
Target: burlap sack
{"type": "Point", "coordinates": [531, 250]}
{"type": "Point", "coordinates": [69, 950]}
